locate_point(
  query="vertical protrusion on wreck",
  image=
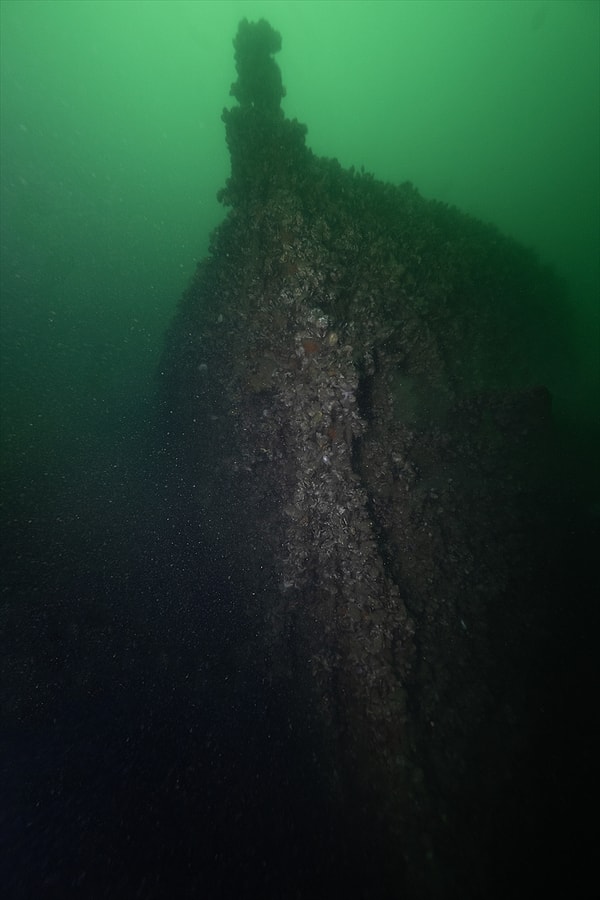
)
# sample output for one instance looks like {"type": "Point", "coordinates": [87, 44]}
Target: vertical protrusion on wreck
{"type": "Point", "coordinates": [259, 82]}
{"type": "Point", "coordinates": [266, 149]}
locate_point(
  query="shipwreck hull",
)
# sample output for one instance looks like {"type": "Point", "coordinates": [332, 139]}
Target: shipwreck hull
{"type": "Point", "coordinates": [352, 394]}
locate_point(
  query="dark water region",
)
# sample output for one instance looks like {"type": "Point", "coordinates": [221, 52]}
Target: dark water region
{"type": "Point", "coordinates": [148, 752]}
{"type": "Point", "coordinates": [146, 749]}
{"type": "Point", "coordinates": [134, 755]}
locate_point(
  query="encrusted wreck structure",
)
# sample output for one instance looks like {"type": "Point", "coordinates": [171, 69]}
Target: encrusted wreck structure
{"type": "Point", "coordinates": [352, 390]}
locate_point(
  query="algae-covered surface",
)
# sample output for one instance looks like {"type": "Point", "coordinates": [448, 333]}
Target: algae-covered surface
{"type": "Point", "coordinates": [354, 372]}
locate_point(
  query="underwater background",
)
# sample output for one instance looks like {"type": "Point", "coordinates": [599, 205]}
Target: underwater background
{"type": "Point", "coordinates": [118, 692]}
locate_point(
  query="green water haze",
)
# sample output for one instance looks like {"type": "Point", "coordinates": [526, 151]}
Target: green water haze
{"type": "Point", "coordinates": [113, 151]}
